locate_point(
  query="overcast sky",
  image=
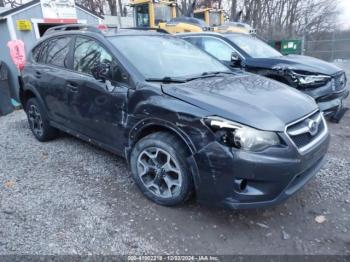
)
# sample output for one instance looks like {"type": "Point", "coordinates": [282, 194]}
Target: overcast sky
{"type": "Point", "coordinates": [345, 16]}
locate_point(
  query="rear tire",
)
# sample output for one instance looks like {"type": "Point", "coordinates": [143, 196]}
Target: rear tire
{"type": "Point", "coordinates": [38, 121]}
{"type": "Point", "coordinates": [159, 168]}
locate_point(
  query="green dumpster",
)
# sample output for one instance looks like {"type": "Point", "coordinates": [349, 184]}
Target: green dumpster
{"type": "Point", "coordinates": [287, 47]}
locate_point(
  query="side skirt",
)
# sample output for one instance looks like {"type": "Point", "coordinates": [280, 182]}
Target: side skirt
{"type": "Point", "coordinates": [87, 139]}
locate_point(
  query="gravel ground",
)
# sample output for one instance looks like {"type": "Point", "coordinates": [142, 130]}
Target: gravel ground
{"type": "Point", "coordinates": [69, 197]}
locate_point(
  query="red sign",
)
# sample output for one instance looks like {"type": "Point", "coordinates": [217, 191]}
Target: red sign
{"type": "Point", "coordinates": [17, 53]}
{"type": "Point", "coordinates": [60, 20]}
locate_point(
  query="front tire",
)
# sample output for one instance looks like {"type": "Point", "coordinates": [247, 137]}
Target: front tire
{"type": "Point", "coordinates": [38, 122]}
{"type": "Point", "coordinates": [159, 168]}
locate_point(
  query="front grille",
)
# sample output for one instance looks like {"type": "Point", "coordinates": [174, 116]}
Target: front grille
{"type": "Point", "coordinates": [308, 131]}
{"type": "Point", "coordinates": [339, 82]}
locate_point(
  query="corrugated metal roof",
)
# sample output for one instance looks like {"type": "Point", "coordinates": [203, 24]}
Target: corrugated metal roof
{"type": "Point", "coordinates": [5, 11]}
{"type": "Point", "coordinates": [18, 8]}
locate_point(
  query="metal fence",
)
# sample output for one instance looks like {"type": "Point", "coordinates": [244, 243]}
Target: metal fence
{"type": "Point", "coordinates": [329, 49]}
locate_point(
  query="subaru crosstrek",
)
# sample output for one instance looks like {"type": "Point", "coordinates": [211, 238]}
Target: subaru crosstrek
{"type": "Point", "coordinates": [184, 122]}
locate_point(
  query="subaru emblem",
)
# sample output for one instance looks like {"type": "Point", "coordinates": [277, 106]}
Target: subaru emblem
{"type": "Point", "coordinates": [313, 127]}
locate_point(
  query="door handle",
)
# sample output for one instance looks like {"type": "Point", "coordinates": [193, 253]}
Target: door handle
{"type": "Point", "coordinates": [37, 74]}
{"type": "Point", "coordinates": [73, 87]}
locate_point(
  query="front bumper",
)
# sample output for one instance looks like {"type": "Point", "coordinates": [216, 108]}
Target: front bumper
{"type": "Point", "coordinates": [271, 176]}
{"type": "Point", "coordinates": [329, 101]}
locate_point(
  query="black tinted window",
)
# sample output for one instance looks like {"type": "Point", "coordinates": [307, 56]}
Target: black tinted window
{"type": "Point", "coordinates": [56, 51]}
{"type": "Point", "coordinates": [197, 41]}
{"type": "Point", "coordinates": [36, 53]}
{"type": "Point", "coordinates": [87, 53]}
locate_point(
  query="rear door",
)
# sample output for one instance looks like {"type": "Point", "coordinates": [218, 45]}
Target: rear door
{"type": "Point", "coordinates": [51, 71]}
{"type": "Point", "coordinates": [97, 108]}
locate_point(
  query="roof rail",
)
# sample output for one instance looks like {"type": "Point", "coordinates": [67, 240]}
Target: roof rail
{"type": "Point", "coordinates": [61, 28]}
{"type": "Point", "coordinates": [159, 30]}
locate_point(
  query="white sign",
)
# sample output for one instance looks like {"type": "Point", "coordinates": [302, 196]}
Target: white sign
{"type": "Point", "coordinates": [63, 9]}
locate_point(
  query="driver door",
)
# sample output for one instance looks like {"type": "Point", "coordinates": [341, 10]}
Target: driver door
{"type": "Point", "coordinates": [97, 107]}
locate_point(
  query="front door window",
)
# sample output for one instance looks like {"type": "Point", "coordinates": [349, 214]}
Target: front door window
{"type": "Point", "coordinates": [217, 48]}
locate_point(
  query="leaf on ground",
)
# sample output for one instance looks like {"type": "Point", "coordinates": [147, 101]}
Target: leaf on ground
{"type": "Point", "coordinates": [320, 219]}
{"type": "Point", "coordinates": [9, 184]}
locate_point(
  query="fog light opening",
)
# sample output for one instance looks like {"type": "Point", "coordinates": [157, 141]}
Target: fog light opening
{"type": "Point", "coordinates": [240, 184]}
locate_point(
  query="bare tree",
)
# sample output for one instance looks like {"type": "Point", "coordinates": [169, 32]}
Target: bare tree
{"type": "Point", "coordinates": [96, 6]}
{"type": "Point", "coordinates": [120, 5]}
{"type": "Point", "coordinates": [233, 10]}
{"type": "Point", "coordinates": [276, 19]}
{"type": "Point", "coordinates": [12, 3]}
{"type": "Point", "coordinates": [112, 6]}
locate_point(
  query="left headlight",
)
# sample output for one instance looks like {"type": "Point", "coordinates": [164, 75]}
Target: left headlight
{"type": "Point", "coordinates": [239, 136]}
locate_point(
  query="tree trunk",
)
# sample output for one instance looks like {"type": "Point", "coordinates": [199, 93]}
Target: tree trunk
{"type": "Point", "coordinates": [2, 3]}
{"type": "Point", "coordinates": [112, 7]}
{"type": "Point", "coordinates": [233, 10]}
{"type": "Point", "coordinates": [120, 4]}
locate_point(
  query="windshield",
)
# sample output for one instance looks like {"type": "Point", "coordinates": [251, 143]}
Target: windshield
{"type": "Point", "coordinates": [253, 46]}
{"type": "Point", "coordinates": [214, 18]}
{"type": "Point", "coordinates": [166, 56]}
{"type": "Point", "coordinates": [162, 13]}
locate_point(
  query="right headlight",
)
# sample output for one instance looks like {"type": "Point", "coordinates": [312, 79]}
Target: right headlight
{"type": "Point", "coordinates": [310, 80]}
{"type": "Point", "coordinates": [239, 136]}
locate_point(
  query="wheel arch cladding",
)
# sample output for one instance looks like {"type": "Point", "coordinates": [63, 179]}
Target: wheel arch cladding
{"type": "Point", "coordinates": [25, 95]}
{"type": "Point", "coordinates": [149, 126]}
{"type": "Point", "coordinates": [29, 92]}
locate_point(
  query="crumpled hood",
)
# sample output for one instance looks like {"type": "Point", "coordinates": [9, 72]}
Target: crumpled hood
{"type": "Point", "coordinates": [295, 62]}
{"type": "Point", "coordinates": [248, 99]}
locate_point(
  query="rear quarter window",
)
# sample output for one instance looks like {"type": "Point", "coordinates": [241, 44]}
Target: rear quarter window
{"type": "Point", "coordinates": [36, 53]}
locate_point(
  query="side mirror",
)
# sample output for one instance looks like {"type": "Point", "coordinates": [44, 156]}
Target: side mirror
{"type": "Point", "coordinates": [235, 59]}
{"type": "Point", "coordinates": [101, 71]}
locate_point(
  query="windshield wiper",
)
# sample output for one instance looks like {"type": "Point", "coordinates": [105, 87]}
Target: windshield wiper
{"type": "Point", "coordinates": [167, 79]}
{"type": "Point", "coordinates": [209, 74]}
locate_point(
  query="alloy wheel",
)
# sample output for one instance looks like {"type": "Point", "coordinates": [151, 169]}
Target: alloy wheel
{"type": "Point", "coordinates": [159, 172]}
{"type": "Point", "coordinates": [35, 120]}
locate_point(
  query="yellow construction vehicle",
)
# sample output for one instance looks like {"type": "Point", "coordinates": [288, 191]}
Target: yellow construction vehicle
{"type": "Point", "coordinates": [215, 18]}
{"type": "Point", "coordinates": [235, 27]}
{"type": "Point", "coordinates": [211, 16]}
{"type": "Point", "coordinates": [164, 15]}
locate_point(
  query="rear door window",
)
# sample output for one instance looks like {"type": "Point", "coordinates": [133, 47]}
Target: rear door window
{"type": "Point", "coordinates": [87, 53]}
{"type": "Point", "coordinates": [56, 51]}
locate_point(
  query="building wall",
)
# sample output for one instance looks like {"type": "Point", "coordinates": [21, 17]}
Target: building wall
{"type": "Point", "coordinates": [6, 58]}
{"type": "Point", "coordinates": [83, 15]}
{"type": "Point", "coordinates": [28, 37]}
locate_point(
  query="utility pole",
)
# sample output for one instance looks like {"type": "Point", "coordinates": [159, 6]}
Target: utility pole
{"type": "Point", "coordinates": [333, 43]}
{"type": "Point", "coordinates": [303, 40]}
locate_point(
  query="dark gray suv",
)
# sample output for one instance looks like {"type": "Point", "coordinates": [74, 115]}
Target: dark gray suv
{"type": "Point", "coordinates": [323, 81]}
{"type": "Point", "coordinates": [185, 123]}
